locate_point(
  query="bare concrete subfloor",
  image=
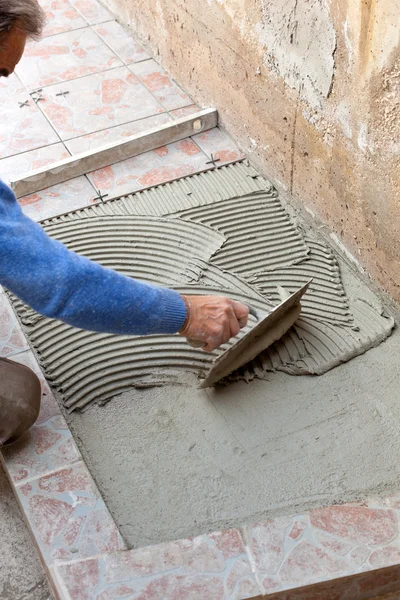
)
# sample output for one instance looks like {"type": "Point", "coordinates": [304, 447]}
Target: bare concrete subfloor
{"type": "Point", "coordinates": [176, 461]}
{"type": "Point", "coordinates": [21, 574]}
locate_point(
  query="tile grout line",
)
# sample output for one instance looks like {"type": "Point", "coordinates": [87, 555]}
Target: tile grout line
{"type": "Point", "coordinates": [165, 111]}
{"type": "Point", "coordinates": [150, 92]}
{"type": "Point", "coordinates": [34, 149]}
{"type": "Point", "coordinates": [133, 62]}
{"type": "Point", "coordinates": [20, 484]}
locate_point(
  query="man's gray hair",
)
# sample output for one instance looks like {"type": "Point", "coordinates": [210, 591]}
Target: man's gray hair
{"type": "Point", "coordinates": [25, 14]}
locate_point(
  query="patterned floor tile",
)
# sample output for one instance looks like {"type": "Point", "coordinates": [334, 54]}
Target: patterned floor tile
{"type": "Point", "coordinates": [60, 17]}
{"type": "Point", "coordinates": [186, 111]}
{"type": "Point", "coordinates": [70, 195]}
{"type": "Point", "coordinates": [160, 84]}
{"type": "Point", "coordinates": [92, 11]}
{"type": "Point", "coordinates": [17, 165]}
{"type": "Point", "coordinates": [115, 134]}
{"type": "Point", "coordinates": [219, 144]}
{"type": "Point", "coordinates": [158, 166]}
{"type": "Point", "coordinates": [12, 339]}
{"type": "Point", "coordinates": [46, 447]}
{"type": "Point", "coordinates": [67, 516]}
{"type": "Point", "coordinates": [98, 102]}
{"type": "Point", "coordinates": [9, 87]}
{"type": "Point", "coordinates": [124, 46]}
{"type": "Point", "coordinates": [325, 544]}
{"type": "Point", "coordinates": [23, 128]}
{"type": "Point", "coordinates": [63, 57]}
{"type": "Point", "coordinates": [49, 407]}
{"type": "Point", "coordinates": [207, 567]}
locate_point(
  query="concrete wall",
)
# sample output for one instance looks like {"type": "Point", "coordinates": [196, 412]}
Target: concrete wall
{"type": "Point", "coordinates": [311, 91]}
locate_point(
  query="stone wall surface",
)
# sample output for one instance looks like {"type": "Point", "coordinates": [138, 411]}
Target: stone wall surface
{"type": "Point", "coordinates": [310, 89]}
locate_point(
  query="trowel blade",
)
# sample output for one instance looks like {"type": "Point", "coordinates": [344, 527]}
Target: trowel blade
{"type": "Point", "coordinates": [270, 329]}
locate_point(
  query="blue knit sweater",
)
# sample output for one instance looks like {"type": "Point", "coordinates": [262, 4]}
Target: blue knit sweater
{"type": "Point", "coordinates": [62, 285]}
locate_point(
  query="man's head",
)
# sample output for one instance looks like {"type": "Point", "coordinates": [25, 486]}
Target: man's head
{"type": "Point", "coordinates": [19, 20]}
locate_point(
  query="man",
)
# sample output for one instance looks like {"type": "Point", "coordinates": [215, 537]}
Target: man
{"type": "Point", "coordinates": [62, 285]}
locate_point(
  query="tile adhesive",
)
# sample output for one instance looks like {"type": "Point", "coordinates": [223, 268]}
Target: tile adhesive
{"type": "Point", "coordinates": [223, 231]}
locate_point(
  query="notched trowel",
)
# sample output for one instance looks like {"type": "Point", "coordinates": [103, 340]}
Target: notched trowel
{"type": "Point", "coordinates": [267, 331]}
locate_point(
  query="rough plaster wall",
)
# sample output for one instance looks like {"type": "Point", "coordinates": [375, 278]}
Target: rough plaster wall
{"type": "Point", "coordinates": [310, 89]}
{"type": "Point", "coordinates": [300, 42]}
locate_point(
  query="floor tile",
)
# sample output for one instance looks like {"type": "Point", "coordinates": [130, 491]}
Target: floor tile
{"type": "Point", "coordinates": [115, 134]}
{"type": "Point", "coordinates": [63, 57]}
{"type": "Point", "coordinates": [219, 144]}
{"type": "Point", "coordinates": [186, 111]}
{"type": "Point", "coordinates": [151, 168]}
{"type": "Point", "coordinates": [208, 567]}
{"type": "Point", "coordinates": [49, 407]}
{"type": "Point", "coordinates": [61, 198]}
{"type": "Point", "coordinates": [46, 447]}
{"type": "Point", "coordinates": [160, 84]}
{"type": "Point", "coordinates": [124, 46]}
{"type": "Point", "coordinates": [67, 516]}
{"type": "Point", "coordinates": [10, 87]}
{"type": "Point", "coordinates": [12, 339]}
{"type": "Point", "coordinates": [98, 102]}
{"type": "Point", "coordinates": [17, 165]}
{"type": "Point", "coordinates": [61, 17]}
{"type": "Point", "coordinates": [92, 11]}
{"type": "Point", "coordinates": [23, 128]}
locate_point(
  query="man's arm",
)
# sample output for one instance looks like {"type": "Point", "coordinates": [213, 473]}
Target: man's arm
{"type": "Point", "coordinates": [63, 285]}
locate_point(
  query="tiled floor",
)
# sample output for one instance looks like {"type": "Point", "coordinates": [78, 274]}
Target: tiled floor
{"type": "Point", "coordinates": [85, 84]}
{"type": "Point", "coordinates": [158, 166]}
{"type": "Point", "coordinates": [98, 102]}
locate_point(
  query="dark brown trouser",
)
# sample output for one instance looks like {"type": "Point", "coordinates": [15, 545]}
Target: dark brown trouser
{"type": "Point", "coordinates": [20, 395]}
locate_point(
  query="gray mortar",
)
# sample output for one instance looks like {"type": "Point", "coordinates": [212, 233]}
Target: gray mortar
{"type": "Point", "coordinates": [177, 461]}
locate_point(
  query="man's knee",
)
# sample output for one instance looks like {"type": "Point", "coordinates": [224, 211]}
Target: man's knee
{"type": "Point", "coordinates": [20, 395]}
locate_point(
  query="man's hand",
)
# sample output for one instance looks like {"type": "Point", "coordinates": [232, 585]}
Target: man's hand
{"type": "Point", "coordinates": [213, 320]}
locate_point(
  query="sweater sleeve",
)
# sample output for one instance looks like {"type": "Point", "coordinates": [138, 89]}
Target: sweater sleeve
{"type": "Point", "coordinates": [60, 284]}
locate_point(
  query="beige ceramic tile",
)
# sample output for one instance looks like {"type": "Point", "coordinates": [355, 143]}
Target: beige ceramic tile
{"type": "Point", "coordinates": [115, 134]}
{"type": "Point", "coordinates": [124, 46]}
{"type": "Point", "coordinates": [98, 102]}
{"type": "Point", "coordinates": [63, 57]}
{"type": "Point", "coordinates": [13, 167]}
{"type": "Point", "coordinates": [61, 17]}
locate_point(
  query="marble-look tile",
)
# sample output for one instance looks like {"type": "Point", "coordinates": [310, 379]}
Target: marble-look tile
{"type": "Point", "coordinates": [186, 111]}
{"type": "Point", "coordinates": [208, 567]}
{"type": "Point", "coordinates": [14, 166]}
{"type": "Point", "coordinates": [92, 11]}
{"type": "Point", "coordinates": [359, 525]}
{"type": "Point", "coordinates": [123, 44]}
{"type": "Point", "coordinates": [60, 17]}
{"type": "Point", "coordinates": [151, 168]}
{"type": "Point", "coordinates": [12, 339]}
{"type": "Point", "coordinates": [63, 57]}
{"type": "Point", "coordinates": [9, 87]}
{"type": "Point", "coordinates": [219, 144]}
{"type": "Point", "coordinates": [67, 516]}
{"type": "Point", "coordinates": [325, 544]}
{"type": "Point", "coordinates": [56, 200]}
{"type": "Point", "coordinates": [23, 128]}
{"type": "Point", "coordinates": [45, 447]}
{"type": "Point", "coordinates": [158, 82]}
{"type": "Point", "coordinates": [115, 134]}
{"type": "Point", "coordinates": [98, 102]}
{"type": "Point", "coordinates": [48, 407]}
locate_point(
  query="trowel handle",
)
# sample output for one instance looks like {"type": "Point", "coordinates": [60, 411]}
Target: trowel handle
{"type": "Point", "coordinates": [199, 344]}
{"type": "Point", "coordinates": [195, 343]}
{"type": "Point", "coordinates": [253, 312]}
